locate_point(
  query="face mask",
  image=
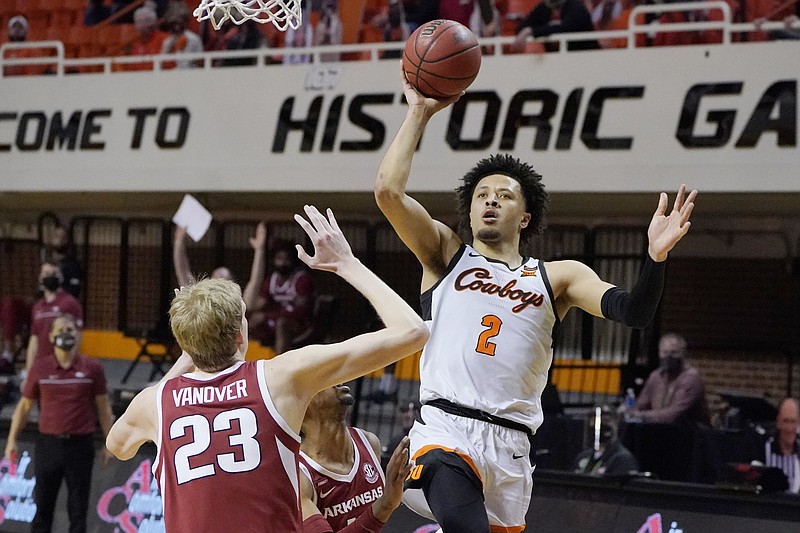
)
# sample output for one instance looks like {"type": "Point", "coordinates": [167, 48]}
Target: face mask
{"type": "Point", "coordinates": [672, 365]}
{"type": "Point", "coordinates": [65, 341]}
{"type": "Point", "coordinates": [51, 283]}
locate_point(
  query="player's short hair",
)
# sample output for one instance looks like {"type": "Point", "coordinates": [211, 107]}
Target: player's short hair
{"type": "Point", "coordinates": [529, 180]}
{"type": "Point", "coordinates": [205, 318]}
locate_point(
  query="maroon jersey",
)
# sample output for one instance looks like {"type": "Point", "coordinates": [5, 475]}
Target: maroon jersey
{"type": "Point", "coordinates": [43, 314]}
{"type": "Point", "coordinates": [227, 460]}
{"type": "Point", "coordinates": [281, 295]}
{"type": "Point", "coordinates": [341, 498]}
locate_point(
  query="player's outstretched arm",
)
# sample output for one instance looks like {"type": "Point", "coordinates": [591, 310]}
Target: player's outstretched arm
{"type": "Point", "coordinates": [431, 241]}
{"type": "Point", "coordinates": [136, 426]}
{"type": "Point", "coordinates": [585, 290]}
{"type": "Point", "coordinates": [314, 368]}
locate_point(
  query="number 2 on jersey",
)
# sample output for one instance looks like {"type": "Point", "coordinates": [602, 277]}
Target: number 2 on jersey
{"type": "Point", "coordinates": [492, 324]}
{"type": "Point", "coordinates": [202, 433]}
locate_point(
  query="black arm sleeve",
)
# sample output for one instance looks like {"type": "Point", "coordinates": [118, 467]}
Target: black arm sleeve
{"type": "Point", "coordinates": [637, 308]}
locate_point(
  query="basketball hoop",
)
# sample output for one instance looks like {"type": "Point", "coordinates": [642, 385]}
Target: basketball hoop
{"type": "Point", "coordinates": [282, 13]}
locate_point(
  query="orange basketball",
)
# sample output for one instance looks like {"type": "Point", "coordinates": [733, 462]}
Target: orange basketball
{"type": "Point", "coordinates": [441, 58]}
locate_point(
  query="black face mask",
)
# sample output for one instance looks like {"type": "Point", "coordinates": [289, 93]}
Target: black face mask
{"type": "Point", "coordinates": [65, 341]}
{"type": "Point", "coordinates": [51, 283]}
{"type": "Point", "coordinates": [672, 365]}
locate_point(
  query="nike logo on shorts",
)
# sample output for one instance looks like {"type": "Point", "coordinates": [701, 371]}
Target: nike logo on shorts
{"type": "Point", "coordinates": [515, 456]}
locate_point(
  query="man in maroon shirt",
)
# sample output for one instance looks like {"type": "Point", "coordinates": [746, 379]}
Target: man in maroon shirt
{"type": "Point", "coordinates": [53, 303]}
{"type": "Point", "coordinates": [71, 391]}
{"type": "Point", "coordinates": [342, 487]}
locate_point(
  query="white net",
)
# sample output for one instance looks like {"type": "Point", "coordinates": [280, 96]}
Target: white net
{"type": "Point", "coordinates": [282, 13]}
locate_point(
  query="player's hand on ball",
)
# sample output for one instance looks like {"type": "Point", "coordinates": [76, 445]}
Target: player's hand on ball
{"type": "Point", "coordinates": [415, 98]}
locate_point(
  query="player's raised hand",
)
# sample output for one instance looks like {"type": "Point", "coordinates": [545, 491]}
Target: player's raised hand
{"type": "Point", "coordinates": [396, 472]}
{"type": "Point", "coordinates": [666, 230]}
{"type": "Point", "coordinates": [331, 249]}
{"type": "Point", "coordinates": [415, 98]}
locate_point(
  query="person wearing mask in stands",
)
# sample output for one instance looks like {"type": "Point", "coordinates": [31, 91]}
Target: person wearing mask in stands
{"type": "Point", "coordinates": [54, 302]}
{"type": "Point", "coordinates": [674, 391]}
{"type": "Point", "coordinates": [607, 456]}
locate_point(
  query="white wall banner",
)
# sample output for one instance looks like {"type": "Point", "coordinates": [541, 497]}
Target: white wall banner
{"type": "Point", "coordinates": [720, 117]}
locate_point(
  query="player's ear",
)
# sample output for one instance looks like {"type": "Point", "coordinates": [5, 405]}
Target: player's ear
{"type": "Point", "coordinates": [526, 219]}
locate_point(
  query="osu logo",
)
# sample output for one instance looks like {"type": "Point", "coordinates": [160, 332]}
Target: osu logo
{"type": "Point", "coordinates": [370, 472]}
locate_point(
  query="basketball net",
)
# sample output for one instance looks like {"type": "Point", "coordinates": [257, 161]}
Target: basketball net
{"type": "Point", "coordinates": [282, 13]}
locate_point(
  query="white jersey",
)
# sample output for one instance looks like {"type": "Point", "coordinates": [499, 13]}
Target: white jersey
{"type": "Point", "coordinates": [491, 337]}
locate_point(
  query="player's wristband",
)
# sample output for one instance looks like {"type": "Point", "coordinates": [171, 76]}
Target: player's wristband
{"type": "Point", "coordinates": [637, 308]}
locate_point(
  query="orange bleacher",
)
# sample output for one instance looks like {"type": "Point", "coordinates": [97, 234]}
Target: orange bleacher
{"type": "Point", "coordinates": [62, 20]}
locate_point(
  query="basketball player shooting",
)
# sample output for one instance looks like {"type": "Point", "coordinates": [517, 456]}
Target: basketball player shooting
{"type": "Point", "coordinates": [232, 427]}
{"type": "Point", "coordinates": [491, 313]}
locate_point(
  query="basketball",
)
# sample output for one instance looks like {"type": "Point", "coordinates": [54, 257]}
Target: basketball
{"type": "Point", "coordinates": [441, 58]}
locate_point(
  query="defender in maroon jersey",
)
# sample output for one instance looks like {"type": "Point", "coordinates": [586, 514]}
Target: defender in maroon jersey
{"type": "Point", "coordinates": [342, 486]}
{"type": "Point", "coordinates": [228, 433]}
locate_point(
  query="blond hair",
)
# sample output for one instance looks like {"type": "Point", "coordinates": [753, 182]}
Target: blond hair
{"type": "Point", "coordinates": [206, 318]}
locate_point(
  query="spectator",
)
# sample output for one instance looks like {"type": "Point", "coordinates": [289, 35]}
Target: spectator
{"type": "Point", "coordinates": [675, 391]}
{"type": "Point", "coordinates": [246, 36]}
{"type": "Point", "coordinates": [605, 12]}
{"type": "Point", "coordinates": [149, 40]}
{"type": "Point", "coordinates": [70, 389]}
{"type": "Point", "coordinates": [409, 412]}
{"type": "Point", "coordinates": [159, 6]}
{"type": "Point", "coordinates": [619, 21]}
{"type": "Point", "coordinates": [721, 414]}
{"type": "Point", "coordinates": [329, 29]}
{"type": "Point", "coordinates": [280, 305]}
{"type": "Point", "coordinates": [607, 456]}
{"type": "Point", "coordinates": [180, 40]}
{"type": "Point", "coordinates": [54, 302]}
{"type": "Point", "coordinates": [340, 464]}
{"type": "Point", "coordinates": [180, 259]}
{"type": "Point", "coordinates": [483, 21]}
{"type": "Point", "coordinates": [418, 12]}
{"type": "Point", "coordinates": [557, 16]}
{"type": "Point", "coordinates": [96, 12]}
{"type": "Point", "coordinates": [18, 29]}
{"type": "Point", "coordinates": [782, 449]}
{"type": "Point", "coordinates": [62, 253]}
{"type": "Point", "coordinates": [302, 37]}
{"type": "Point", "coordinates": [393, 26]}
